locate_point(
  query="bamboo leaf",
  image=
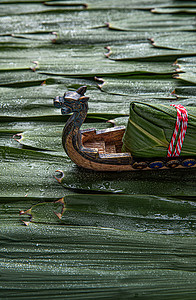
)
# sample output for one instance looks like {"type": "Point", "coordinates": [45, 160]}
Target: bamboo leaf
{"type": "Point", "coordinates": [178, 41]}
{"type": "Point", "coordinates": [26, 173]}
{"type": "Point", "coordinates": [83, 62]}
{"type": "Point", "coordinates": [33, 8]}
{"type": "Point", "coordinates": [187, 65]}
{"type": "Point", "coordinates": [162, 182]}
{"type": "Point", "coordinates": [24, 104]}
{"type": "Point", "coordinates": [50, 137]}
{"type": "Point", "coordinates": [21, 1]}
{"type": "Point", "coordinates": [148, 250]}
{"type": "Point", "coordinates": [150, 129]}
{"type": "Point", "coordinates": [149, 86]}
{"type": "Point", "coordinates": [130, 51]}
{"type": "Point", "coordinates": [162, 215]}
{"type": "Point", "coordinates": [187, 77]}
{"type": "Point", "coordinates": [21, 78]}
{"type": "Point", "coordinates": [184, 10]}
{"type": "Point", "coordinates": [113, 4]}
{"type": "Point", "coordinates": [94, 262]}
{"type": "Point", "coordinates": [148, 22]}
{"type": "Point", "coordinates": [98, 36]}
{"type": "Point", "coordinates": [50, 22]}
{"type": "Point", "coordinates": [22, 41]}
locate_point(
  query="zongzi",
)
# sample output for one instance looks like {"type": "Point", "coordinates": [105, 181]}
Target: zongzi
{"type": "Point", "coordinates": [150, 130]}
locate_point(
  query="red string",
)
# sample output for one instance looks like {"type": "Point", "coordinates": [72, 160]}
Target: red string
{"type": "Point", "coordinates": [181, 124]}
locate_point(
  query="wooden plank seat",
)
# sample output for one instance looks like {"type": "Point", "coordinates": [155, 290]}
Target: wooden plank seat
{"type": "Point", "coordinates": [106, 141]}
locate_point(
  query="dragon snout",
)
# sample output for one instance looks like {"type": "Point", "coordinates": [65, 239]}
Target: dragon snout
{"type": "Point", "coordinates": [58, 102]}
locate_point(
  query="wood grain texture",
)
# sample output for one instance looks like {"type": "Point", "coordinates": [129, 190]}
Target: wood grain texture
{"type": "Point", "coordinates": [101, 150]}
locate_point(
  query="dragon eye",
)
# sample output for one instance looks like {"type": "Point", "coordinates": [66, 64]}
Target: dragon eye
{"type": "Point", "coordinates": [58, 102]}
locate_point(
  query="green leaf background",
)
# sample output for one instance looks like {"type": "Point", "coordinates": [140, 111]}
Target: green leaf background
{"type": "Point", "coordinates": [112, 235]}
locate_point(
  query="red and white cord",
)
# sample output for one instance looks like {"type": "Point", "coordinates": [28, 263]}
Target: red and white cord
{"type": "Point", "coordinates": [181, 124]}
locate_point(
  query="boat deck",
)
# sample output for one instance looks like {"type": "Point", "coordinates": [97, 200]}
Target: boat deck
{"type": "Point", "coordinates": [106, 140]}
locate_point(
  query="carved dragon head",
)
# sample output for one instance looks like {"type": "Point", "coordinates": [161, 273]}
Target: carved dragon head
{"type": "Point", "coordinates": [71, 101]}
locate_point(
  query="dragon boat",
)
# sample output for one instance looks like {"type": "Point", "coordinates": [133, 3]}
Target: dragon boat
{"type": "Point", "coordinates": [101, 150]}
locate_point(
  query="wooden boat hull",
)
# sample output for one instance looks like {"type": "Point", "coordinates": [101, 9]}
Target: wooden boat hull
{"type": "Point", "coordinates": [99, 150]}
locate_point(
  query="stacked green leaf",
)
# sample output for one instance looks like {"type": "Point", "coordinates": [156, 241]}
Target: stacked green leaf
{"type": "Point", "coordinates": [175, 183]}
{"type": "Point", "coordinates": [177, 41]}
{"type": "Point", "coordinates": [162, 214]}
{"type": "Point", "coordinates": [190, 10]}
{"type": "Point", "coordinates": [75, 262]}
{"type": "Point", "coordinates": [99, 243]}
{"type": "Point", "coordinates": [150, 129]}
{"type": "Point", "coordinates": [187, 65]}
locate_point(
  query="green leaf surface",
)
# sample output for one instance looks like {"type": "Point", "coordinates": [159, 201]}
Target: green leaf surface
{"type": "Point", "coordinates": [71, 261]}
{"type": "Point", "coordinates": [148, 22]}
{"type": "Point", "coordinates": [81, 61]}
{"type": "Point", "coordinates": [150, 129]}
{"type": "Point", "coordinates": [175, 10]}
{"type": "Point", "coordinates": [157, 89]}
{"type": "Point", "coordinates": [189, 77]}
{"type": "Point", "coordinates": [21, 41]}
{"type": "Point", "coordinates": [51, 22]}
{"type": "Point", "coordinates": [179, 182]}
{"type": "Point", "coordinates": [98, 36]}
{"type": "Point", "coordinates": [21, 78]}
{"type": "Point", "coordinates": [50, 137]}
{"type": "Point", "coordinates": [26, 173]}
{"type": "Point", "coordinates": [186, 64]}
{"type": "Point", "coordinates": [149, 86]}
{"type": "Point", "coordinates": [80, 65]}
{"type": "Point", "coordinates": [184, 92]}
{"type": "Point", "coordinates": [177, 41]}
{"type": "Point", "coordinates": [34, 8]}
{"type": "Point", "coordinates": [128, 235]}
{"type": "Point", "coordinates": [36, 103]}
{"type": "Point", "coordinates": [20, 24]}
{"type": "Point", "coordinates": [119, 212]}
{"type": "Point", "coordinates": [132, 51]}
{"type": "Point", "coordinates": [111, 4]}
{"type": "Point", "coordinates": [21, 1]}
